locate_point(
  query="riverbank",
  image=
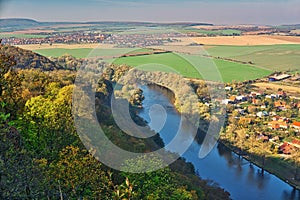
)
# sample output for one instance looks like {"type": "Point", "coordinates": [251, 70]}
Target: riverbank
{"type": "Point", "coordinates": [272, 165]}
{"type": "Point", "coordinates": [221, 167]}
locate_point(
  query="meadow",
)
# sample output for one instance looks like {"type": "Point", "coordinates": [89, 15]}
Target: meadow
{"type": "Point", "coordinates": [191, 66]}
{"type": "Point", "coordinates": [5, 35]}
{"type": "Point", "coordinates": [265, 58]}
{"type": "Point", "coordinates": [195, 66]}
{"type": "Point", "coordinates": [273, 57]}
{"type": "Point", "coordinates": [213, 32]}
{"type": "Point", "coordinates": [83, 52]}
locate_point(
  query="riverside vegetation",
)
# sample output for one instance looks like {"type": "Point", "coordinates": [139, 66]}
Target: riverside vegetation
{"type": "Point", "coordinates": [41, 155]}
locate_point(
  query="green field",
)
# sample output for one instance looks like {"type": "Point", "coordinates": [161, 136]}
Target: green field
{"type": "Point", "coordinates": [213, 32]}
{"type": "Point", "coordinates": [273, 57]}
{"type": "Point", "coordinates": [196, 67]}
{"type": "Point", "coordinates": [83, 52]}
{"type": "Point", "coordinates": [193, 66]}
{"type": "Point", "coordinates": [4, 35]}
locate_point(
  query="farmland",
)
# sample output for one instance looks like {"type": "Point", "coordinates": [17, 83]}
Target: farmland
{"type": "Point", "coordinates": [273, 57]}
{"type": "Point", "coordinates": [194, 66]}
{"type": "Point", "coordinates": [247, 40]}
{"type": "Point", "coordinates": [12, 35]}
{"type": "Point", "coordinates": [265, 59]}
{"type": "Point", "coordinates": [83, 52]}
{"type": "Point", "coordinates": [213, 32]}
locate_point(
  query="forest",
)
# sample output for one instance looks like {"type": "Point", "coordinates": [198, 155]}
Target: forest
{"type": "Point", "coordinates": [41, 154]}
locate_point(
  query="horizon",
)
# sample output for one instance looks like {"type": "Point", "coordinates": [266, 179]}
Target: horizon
{"type": "Point", "coordinates": [231, 12]}
{"type": "Point", "coordinates": [150, 22]}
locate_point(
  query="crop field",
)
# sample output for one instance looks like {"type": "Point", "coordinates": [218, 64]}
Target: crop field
{"type": "Point", "coordinates": [213, 32]}
{"type": "Point", "coordinates": [273, 57]}
{"type": "Point", "coordinates": [265, 58]}
{"type": "Point", "coordinates": [83, 52]}
{"type": "Point", "coordinates": [247, 40]}
{"type": "Point", "coordinates": [193, 66]}
{"type": "Point", "coordinates": [4, 35]}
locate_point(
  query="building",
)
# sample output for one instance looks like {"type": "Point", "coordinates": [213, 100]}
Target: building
{"type": "Point", "coordinates": [286, 148]}
{"type": "Point", "coordinates": [275, 125]}
{"type": "Point", "coordinates": [262, 114]}
{"type": "Point", "coordinates": [279, 77]}
{"type": "Point", "coordinates": [280, 104]}
{"type": "Point", "coordinates": [296, 125]}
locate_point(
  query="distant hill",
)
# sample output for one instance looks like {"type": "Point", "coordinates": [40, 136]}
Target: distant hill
{"type": "Point", "coordinates": [27, 59]}
{"type": "Point", "coordinates": [18, 22]}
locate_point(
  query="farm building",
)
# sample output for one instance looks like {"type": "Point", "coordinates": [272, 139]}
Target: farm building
{"type": "Point", "coordinates": [279, 78]}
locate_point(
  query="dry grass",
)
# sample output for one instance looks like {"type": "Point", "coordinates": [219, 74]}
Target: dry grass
{"type": "Point", "coordinates": [65, 46]}
{"type": "Point", "coordinates": [295, 90]}
{"type": "Point", "coordinates": [247, 40]}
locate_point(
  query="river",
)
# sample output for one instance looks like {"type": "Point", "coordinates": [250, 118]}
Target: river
{"type": "Point", "coordinates": [223, 167]}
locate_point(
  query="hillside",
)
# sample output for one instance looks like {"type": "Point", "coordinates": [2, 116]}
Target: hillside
{"type": "Point", "coordinates": [43, 154]}
{"type": "Point", "coordinates": [26, 59]}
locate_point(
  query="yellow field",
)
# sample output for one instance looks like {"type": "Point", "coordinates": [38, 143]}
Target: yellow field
{"type": "Point", "coordinates": [65, 46]}
{"type": "Point", "coordinates": [295, 90]}
{"type": "Point", "coordinates": [247, 40]}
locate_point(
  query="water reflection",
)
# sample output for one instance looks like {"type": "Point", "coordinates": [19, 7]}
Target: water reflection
{"type": "Point", "coordinates": [242, 179]}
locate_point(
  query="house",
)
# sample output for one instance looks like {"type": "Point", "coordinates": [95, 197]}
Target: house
{"type": "Point", "coordinates": [228, 88]}
{"type": "Point", "coordinates": [280, 104]}
{"type": "Point", "coordinates": [281, 94]}
{"type": "Point", "coordinates": [275, 139]}
{"type": "Point", "coordinates": [276, 118]}
{"type": "Point", "coordinates": [254, 94]}
{"type": "Point", "coordinates": [280, 119]}
{"type": "Point", "coordinates": [272, 113]}
{"type": "Point", "coordinates": [245, 121]}
{"type": "Point", "coordinates": [255, 101]}
{"type": "Point", "coordinates": [263, 106]}
{"type": "Point", "coordinates": [296, 142]}
{"type": "Point", "coordinates": [283, 125]}
{"type": "Point", "coordinates": [272, 96]}
{"type": "Point", "coordinates": [275, 125]}
{"type": "Point", "coordinates": [263, 138]}
{"type": "Point", "coordinates": [262, 114]}
{"type": "Point", "coordinates": [286, 148]}
{"type": "Point", "coordinates": [232, 99]}
{"type": "Point", "coordinates": [296, 125]}
{"type": "Point", "coordinates": [241, 98]}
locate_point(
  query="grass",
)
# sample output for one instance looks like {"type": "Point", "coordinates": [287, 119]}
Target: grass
{"type": "Point", "coordinates": [214, 32]}
{"type": "Point", "coordinates": [83, 52]}
{"type": "Point", "coordinates": [3, 35]}
{"type": "Point", "coordinates": [195, 67]}
{"type": "Point", "coordinates": [273, 57]}
{"type": "Point", "coordinates": [191, 66]}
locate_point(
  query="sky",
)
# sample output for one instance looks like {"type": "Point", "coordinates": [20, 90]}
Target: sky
{"type": "Point", "coordinates": [262, 12]}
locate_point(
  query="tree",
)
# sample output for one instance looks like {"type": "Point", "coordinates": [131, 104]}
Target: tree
{"type": "Point", "coordinates": [78, 175]}
{"type": "Point", "coordinates": [159, 184]}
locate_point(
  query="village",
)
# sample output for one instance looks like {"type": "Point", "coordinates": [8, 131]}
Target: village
{"type": "Point", "coordinates": [265, 116]}
{"type": "Point", "coordinates": [94, 37]}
